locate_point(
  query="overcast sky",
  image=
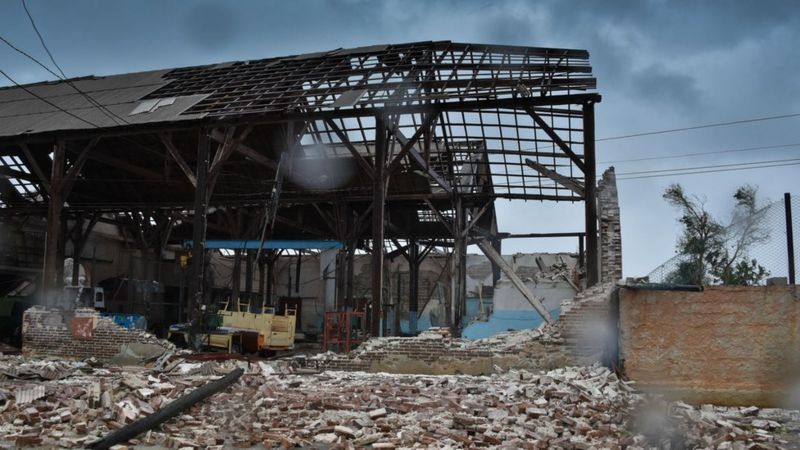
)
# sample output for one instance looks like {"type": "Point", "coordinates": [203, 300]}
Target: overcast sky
{"type": "Point", "coordinates": [659, 65]}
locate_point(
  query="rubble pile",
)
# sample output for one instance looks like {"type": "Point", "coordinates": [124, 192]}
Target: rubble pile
{"type": "Point", "coordinates": [518, 340]}
{"type": "Point", "coordinates": [570, 408]}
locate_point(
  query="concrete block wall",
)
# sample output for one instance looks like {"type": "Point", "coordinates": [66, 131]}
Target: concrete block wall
{"type": "Point", "coordinates": [81, 333]}
{"type": "Point", "coordinates": [735, 345]}
{"type": "Point", "coordinates": [610, 228]}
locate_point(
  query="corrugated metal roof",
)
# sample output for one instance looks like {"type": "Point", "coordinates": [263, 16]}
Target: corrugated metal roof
{"type": "Point", "coordinates": [21, 112]}
{"type": "Point", "coordinates": [372, 76]}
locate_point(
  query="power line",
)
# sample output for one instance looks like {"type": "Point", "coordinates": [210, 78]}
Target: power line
{"type": "Point", "coordinates": [683, 155]}
{"type": "Point", "coordinates": [697, 127]}
{"type": "Point", "coordinates": [707, 171]}
{"type": "Point", "coordinates": [45, 100]}
{"type": "Point", "coordinates": [714, 166]}
{"type": "Point", "coordinates": [91, 100]}
{"type": "Point", "coordinates": [108, 113]}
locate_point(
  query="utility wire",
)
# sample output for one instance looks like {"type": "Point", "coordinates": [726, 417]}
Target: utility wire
{"type": "Point", "coordinates": [63, 76]}
{"type": "Point", "coordinates": [697, 127]}
{"type": "Point", "coordinates": [45, 100]}
{"type": "Point", "coordinates": [91, 100]}
{"type": "Point", "coordinates": [707, 171]}
{"type": "Point", "coordinates": [684, 155]}
{"type": "Point", "coordinates": [714, 166]}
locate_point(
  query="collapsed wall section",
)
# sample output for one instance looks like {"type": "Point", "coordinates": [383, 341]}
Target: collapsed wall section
{"type": "Point", "coordinates": [588, 325]}
{"type": "Point", "coordinates": [435, 352]}
{"type": "Point", "coordinates": [610, 227]}
{"type": "Point", "coordinates": [80, 333]}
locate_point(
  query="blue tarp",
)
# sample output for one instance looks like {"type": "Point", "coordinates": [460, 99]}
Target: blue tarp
{"type": "Point", "coordinates": [129, 321]}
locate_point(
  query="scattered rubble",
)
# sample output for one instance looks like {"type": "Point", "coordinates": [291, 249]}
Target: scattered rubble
{"type": "Point", "coordinates": [569, 408]}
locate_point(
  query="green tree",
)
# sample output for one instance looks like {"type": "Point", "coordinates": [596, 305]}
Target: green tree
{"type": "Point", "coordinates": [714, 253]}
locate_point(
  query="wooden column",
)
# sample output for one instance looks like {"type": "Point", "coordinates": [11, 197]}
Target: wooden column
{"type": "Point", "coordinates": [236, 277]}
{"type": "Point", "coordinates": [262, 300]}
{"type": "Point", "coordinates": [413, 286]}
{"type": "Point", "coordinates": [271, 258]}
{"type": "Point", "coordinates": [378, 211]}
{"type": "Point", "coordinates": [197, 275]}
{"type": "Point", "coordinates": [458, 266]}
{"type": "Point", "coordinates": [54, 207]}
{"type": "Point", "coordinates": [248, 276]}
{"type": "Point", "coordinates": [590, 186]}
{"type": "Point", "coordinates": [351, 259]}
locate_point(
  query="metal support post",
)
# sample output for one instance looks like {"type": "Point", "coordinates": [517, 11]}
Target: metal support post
{"type": "Point", "coordinates": [787, 199]}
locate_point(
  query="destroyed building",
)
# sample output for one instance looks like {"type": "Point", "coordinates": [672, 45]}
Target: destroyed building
{"type": "Point", "coordinates": [333, 197]}
{"type": "Point", "coordinates": [347, 180]}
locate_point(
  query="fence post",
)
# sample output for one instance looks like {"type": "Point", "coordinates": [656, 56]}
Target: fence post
{"type": "Point", "coordinates": [787, 199]}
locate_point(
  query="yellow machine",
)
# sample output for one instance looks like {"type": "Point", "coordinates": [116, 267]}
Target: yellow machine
{"type": "Point", "coordinates": [253, 332]}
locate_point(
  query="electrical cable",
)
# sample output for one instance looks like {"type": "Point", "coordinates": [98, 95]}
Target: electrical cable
{"type": "Point", "coordinates": [683, 155]}
{"type": "Point", "coordinates": [706, 171]}
{"type": "Point", "coordinates": [715, 166]}
{"type": "Point", "coordinates": [102, 108]}
{"type": "Point", "coordinates": [697, 127]}
{"type": "Point", "coordinates": [46, 101]}
{"type": "Point", "coordinates": [91, 100]}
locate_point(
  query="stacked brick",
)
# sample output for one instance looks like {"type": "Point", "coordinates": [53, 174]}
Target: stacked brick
{"type": "Point", "coordinates": [610, 230]}
{"type": "Point", "coordinates": [81, 333]}
{"type": "Point", "coordinates": [432, 352]}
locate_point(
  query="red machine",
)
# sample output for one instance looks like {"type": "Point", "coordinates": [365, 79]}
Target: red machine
{"type": "Point", "coordinates": [344, 330]}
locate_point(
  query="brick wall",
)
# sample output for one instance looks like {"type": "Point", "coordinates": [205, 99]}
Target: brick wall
{"type": "Point", "coordinates": [80, 333]}
{"type": "Point", "coordinates": [588, 325]}
{"type": "Point", "coordinates": [445, 355]}
{"type": "Point", "coordinates": [728, 345]}
{"type": "Point", "coordinates": [610, 229]}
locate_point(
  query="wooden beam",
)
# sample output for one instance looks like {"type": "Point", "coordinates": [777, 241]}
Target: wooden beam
{"type": "Point", "coordinates": [196, 283]}
{"type": "Point", "coordinates": [592, 238]}
{"type": "Point", "coordinates": [247, 151]}
{"type": "Point", "coordinates": [75, 169]}
{"type": "Point", "coordinates": [365, 165]}
{"type": "Point", "coordinates": [417, 158]}
{"type": "Point", "coordinates": [489, 251]}
{"type": "Point", "coordinates": [50, 280]}
{"type": "Point", "coordinates": [8, 172]}
{"type": "Point", "coordinates": [229, 145]}
{"type": "Point", "coordinates": [410, 142]}
{"type": "Point", "coordinates": [124, 166]}
{"type": "Point", "coordinates": [556, 138]}
{"type": "Point", "coordinates": [475, 217]}
{"type": "Point", "coordinates": [441, 217]}
{"type": "Point", "coordinates": [30, 161]}
{"type": "Point", "coordinates": [565, 181]}
{"type": "Point", "coordinates": [166, 139]}
{"type": "Point", "coordinates": [378, 211]}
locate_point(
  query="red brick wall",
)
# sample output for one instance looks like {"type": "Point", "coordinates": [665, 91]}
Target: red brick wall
{"type": "Point", "coordinates": [81, 333]}
{"type": "Point", "coordinates": [730, 345]}
{"type": "Point", "coordinates": [587, 323]}
{"type": "Point", "coordinates": [444, 355]}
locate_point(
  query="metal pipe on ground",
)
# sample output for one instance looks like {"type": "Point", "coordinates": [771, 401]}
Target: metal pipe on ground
{"type": "Point", "coordinates": [174, 408]}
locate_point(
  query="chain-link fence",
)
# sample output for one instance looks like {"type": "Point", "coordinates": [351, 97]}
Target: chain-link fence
{"type": "Point", "coordinates": [771, 252]}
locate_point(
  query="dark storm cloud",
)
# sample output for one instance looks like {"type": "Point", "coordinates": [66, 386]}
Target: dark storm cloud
{"type": "Point", "coordinates": [659, 64]}
{"type": "Point", "coordinates": [211, 26]}
{"type": "Point", "coordinates": [665, 87]}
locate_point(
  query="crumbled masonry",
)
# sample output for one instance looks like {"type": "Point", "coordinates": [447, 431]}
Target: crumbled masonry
{"type": "Point", "coordinates": [274, 406]}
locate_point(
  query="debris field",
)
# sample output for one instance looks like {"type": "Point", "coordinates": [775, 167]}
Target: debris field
{"type": "Point", "coordinates": [70, 404]}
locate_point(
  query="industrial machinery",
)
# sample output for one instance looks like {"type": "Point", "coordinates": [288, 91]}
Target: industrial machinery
{"type": "Point", "coordinates": [243, 330]}
{"type": "Point", "coordinates": [344, 330]}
